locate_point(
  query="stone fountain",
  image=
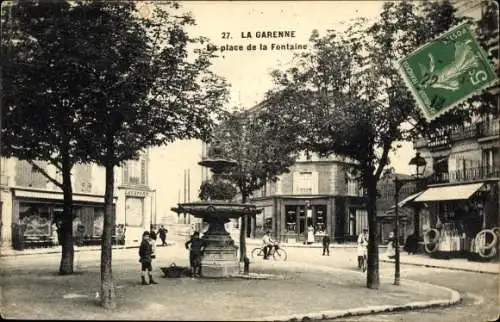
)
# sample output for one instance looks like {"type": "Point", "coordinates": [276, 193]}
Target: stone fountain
{"type": "Point", "coordinates": [221, 255]}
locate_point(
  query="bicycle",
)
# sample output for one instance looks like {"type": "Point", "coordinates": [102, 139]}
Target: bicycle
{"type": "Point", "coordinates": [363, 263]}
{"type": "Point", "coordinates": [276, 252]}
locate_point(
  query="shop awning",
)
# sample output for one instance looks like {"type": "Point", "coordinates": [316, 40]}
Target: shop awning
{"type": "Point", "coordinates": [456, 192]}
{"type": "Point", "coordinates": [49, 195]}
{"type": "Point", "coordinates": [407, 200]}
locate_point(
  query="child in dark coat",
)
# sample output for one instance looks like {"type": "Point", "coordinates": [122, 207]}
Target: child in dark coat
{"type": "Point", "coordinates": [145, 253]}
{"type": "Point", "coordinates": [195, 253]}
{"type": "Point", "coordinates": [326, 245]}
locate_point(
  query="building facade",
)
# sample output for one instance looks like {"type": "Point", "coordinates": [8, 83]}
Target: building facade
{"type": "Point", "coordinates": [317, 193]}
{"type": "Point", "coordinates": [462, 195]}
{"type": "Point", "coordinates": [29, 201]}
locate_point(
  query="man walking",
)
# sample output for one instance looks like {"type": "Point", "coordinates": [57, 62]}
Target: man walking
{"type": "Point", "coordinates": [163, 235]}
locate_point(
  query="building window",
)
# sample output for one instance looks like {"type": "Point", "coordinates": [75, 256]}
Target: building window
{"type": "Point", "coordinates": [361, 220]}
{"type": "Point", "coordinates": [304, 184]}
{"type": "Point", "coordinates": [291, 219]}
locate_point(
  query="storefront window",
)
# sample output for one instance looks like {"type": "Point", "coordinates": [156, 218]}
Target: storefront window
{"type": "Point", "coordinates": [134, 211]}
{"type": "Point", "coordinates": [98, 221]}
{"type": "Point", "coordinates": [36, 218]}
{"type": "Point", "coordinates": [320, 227]}
{"type": "Point", "coordinates": [291, 219]}
{"type": "Point", "coordinates": [352, 221]}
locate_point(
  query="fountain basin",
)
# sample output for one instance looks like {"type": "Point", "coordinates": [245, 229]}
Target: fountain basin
{"type": "Point", "coordinates": [216, 209]}
{"type": "Point", "coordinates": [220, 259]}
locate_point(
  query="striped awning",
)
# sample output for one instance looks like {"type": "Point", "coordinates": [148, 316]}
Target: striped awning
{"type": "Point", "coordinates": [454, 192]}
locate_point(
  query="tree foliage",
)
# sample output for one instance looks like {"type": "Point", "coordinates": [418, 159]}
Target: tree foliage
{"type": "Point", "coordinates": [123, 83]}
{"type": "Point", "coordinates": [217, 190]}
{"type": "Point", "coordinates": [43, 98]}
{"type": "Point", "coordinates": [346, 97]}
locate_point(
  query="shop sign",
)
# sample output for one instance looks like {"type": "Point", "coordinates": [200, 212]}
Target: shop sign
{"type": "Point", "coordinates": [135, 193]}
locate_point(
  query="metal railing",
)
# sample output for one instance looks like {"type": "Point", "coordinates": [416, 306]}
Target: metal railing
{"type": "Point", "coordinates": [468, 174]}
{"type": "Point", "coordinates": [490, 128]}
{"type": "Point", "coordinates": [476, 130]}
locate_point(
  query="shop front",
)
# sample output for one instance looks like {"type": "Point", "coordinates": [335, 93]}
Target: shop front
{"type": "Point", "coordinates": [458, 213]}
{"type": "Point", "coordinates": [36, 217]}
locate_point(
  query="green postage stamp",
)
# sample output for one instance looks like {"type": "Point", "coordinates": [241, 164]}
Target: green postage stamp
{"type": "Point", "coordinates": [446, 71]}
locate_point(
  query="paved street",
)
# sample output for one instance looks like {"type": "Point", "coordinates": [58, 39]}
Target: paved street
{"type": "Point", "coordinates": [480, 292]}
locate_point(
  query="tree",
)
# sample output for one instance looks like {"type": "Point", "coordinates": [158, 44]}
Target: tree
{"type": "Point", "coordinates": [217, 190]}
{"type": "Point", "coordinates": [262, 154]}
{"type": "Point", "coordinates": [42, 102]}
{"type": "Point", "coordinates": [345, 97]}
{"type": "Point", "coordinates": [148, 90]}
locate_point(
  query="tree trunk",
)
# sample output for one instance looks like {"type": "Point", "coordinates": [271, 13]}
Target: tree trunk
{"type": "Point", "coordinates": [372, 276]}
{"type": "Point", "coordinates": [107, 284]}
{"type": "Point", "coordinates": [243, 229]}
{"type": "Point", "coordinates": [66, 227]}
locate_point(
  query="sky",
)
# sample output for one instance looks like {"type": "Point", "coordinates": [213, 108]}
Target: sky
{"type": "Point", "coordinates": [248, 71]}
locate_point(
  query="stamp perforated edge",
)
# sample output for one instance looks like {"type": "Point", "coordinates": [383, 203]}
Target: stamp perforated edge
{"type": "Point", "coordinates": [423, 107]}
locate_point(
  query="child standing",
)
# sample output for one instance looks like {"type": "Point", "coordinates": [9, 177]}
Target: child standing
{"type": "Point", "coordinates": [195, 253]}
{"type": "Point", "coordinates": [145, 252]}
{"type": "Point", "coordinates": [326, 245]}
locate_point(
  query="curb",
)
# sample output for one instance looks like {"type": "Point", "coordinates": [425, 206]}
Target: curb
{"type": "Point", "coordinates": [443, 267]}
{"type": "Point", "coordinates": [453, 299]}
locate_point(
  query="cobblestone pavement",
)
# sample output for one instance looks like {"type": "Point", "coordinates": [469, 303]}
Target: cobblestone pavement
{"type": "Point", "coordinates": [303, 289]}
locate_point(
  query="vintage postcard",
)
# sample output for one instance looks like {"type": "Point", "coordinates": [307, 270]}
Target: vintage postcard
{"type": "Point", "coordinates": [249, 160]}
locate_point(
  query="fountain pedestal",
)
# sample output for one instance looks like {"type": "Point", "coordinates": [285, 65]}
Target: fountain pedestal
{"type": "Point", "coordinates": [221, 255]}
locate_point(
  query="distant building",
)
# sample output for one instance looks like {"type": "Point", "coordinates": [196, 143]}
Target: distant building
{"type": "Point", "coordinates": [317, 192]}
{"type": "Point", "coordinates": [27, 198]}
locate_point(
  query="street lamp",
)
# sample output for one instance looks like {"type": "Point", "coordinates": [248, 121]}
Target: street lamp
{"type": "Point", "coordinates": [419, 164]}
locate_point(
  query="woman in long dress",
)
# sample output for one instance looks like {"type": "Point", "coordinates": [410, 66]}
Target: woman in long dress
{"type": "Point", "coordinates": [390, 252]}
{"type": "Point", "coordinates": [310, 235]}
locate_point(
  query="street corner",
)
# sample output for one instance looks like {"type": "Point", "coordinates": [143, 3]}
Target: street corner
{"type": "Point", "coordinates": [409, 295]}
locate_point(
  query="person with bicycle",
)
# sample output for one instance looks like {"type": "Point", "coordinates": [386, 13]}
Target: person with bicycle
{"type": "Point", "coordinates": [268, 243]}
{"type": "Point", "coordinates": [362, 247]}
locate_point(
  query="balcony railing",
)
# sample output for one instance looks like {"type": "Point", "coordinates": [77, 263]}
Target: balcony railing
{"type": "Point", "coordinates": [469, 174]}
{"type": "Point", "coordinates": [491, 128]}
{"type": "Point", "coordinates": [476, 130]}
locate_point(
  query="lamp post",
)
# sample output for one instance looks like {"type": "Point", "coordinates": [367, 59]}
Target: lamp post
{"type": "Point", "coordinates": [419, 164]}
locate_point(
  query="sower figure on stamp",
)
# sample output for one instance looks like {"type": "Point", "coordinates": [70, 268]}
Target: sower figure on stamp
{"type": "Point", "coordinates": [145, 252]}
{"type": "Point", "coordinates": [326, 245]}
{"type": "Point", "coordinates": [195, 253]}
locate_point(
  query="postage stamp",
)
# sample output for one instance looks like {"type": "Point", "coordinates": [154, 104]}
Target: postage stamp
{"type": "Point", "coordinates": [446, 71]}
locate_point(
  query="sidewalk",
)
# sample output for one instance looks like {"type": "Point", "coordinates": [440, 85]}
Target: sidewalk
{"type": "Point", "coordinates": [416, 260]}
{"type": "Point", "coordinates": [294, 291]}
{"type": "Point", "coordinates": [460, 264]}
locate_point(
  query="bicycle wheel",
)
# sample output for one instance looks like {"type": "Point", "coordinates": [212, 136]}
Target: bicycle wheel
{"type": "Point", "coordinates": [256, 252]}
{"type": "Point", "coordinates": [280, 254]}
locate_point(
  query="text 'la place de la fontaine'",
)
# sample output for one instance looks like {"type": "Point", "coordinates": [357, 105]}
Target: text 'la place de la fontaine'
{"type": "Point", "coordinates": [264, 35]}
